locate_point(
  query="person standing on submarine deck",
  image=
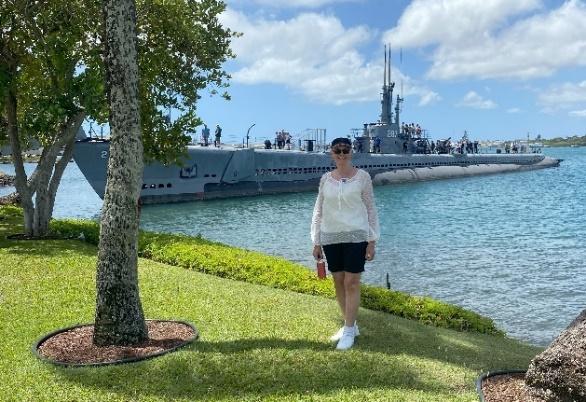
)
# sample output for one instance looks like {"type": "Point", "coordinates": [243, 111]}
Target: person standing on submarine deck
{"type": "Point", "coordinates": [345, 228]}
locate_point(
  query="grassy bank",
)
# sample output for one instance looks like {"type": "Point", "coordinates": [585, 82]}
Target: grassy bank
{"type": "Point", "coordinates": [196, 253]}
{"type": "Point", "coordinates": [257, 342]}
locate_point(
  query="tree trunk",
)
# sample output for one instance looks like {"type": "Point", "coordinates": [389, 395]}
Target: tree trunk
{"type": "Point", "coordinates": [119, 316]}
{"type": "Point", "coordinates": [559, 373]}
{"type": "Point", "coordinates": [20, 182]}
{"type": "Point", "coordinates": [45, 180]}
{"type": "Point", "coordinates": [63, 162]}
{"type": "Point", "coordinates": [48, 173]}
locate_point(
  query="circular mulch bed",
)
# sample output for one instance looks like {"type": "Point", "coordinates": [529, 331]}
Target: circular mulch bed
{"type": "Point", "coordinates": [504, 387]}
{"type": "Point", "coordinates": [73, 346]}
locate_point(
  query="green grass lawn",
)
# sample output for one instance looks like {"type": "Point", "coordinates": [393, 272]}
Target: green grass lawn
{"type": "Point", "coordinates": [257, 343]}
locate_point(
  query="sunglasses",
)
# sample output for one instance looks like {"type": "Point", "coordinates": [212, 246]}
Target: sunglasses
{"type": "Point", "coordinates": [339, 151]}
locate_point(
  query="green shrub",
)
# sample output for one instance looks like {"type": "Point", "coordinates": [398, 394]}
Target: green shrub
{"type": "Point", "coordinates": [88, 231]}
{"type": "Point", "coordinates": [11, 211]}
{"type": "Point", "coordinates": [235, 263]}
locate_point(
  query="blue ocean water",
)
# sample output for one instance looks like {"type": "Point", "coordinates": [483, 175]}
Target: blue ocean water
{"type": "Point", "coordinates": [509, 246]}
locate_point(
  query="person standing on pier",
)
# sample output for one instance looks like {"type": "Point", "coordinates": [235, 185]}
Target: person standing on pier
{"type": "Point", "coordinates": [345, 228]}
{"type": "Point", "coordinates": [205, 133]}
{"type": "Point", "coordinates": [218, 133]}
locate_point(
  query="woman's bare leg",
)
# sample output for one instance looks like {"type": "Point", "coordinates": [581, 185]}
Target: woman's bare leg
{"type": "Point", "coordinates": [352, 297]}
{"type": "Point", "coordinates": [340, 291]}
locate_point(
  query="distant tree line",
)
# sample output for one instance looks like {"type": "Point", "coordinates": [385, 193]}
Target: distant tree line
{"type": "Point", "coordinates": [566, 142]}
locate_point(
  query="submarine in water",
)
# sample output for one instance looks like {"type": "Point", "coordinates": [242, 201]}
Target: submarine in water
{"type": "Point", "coordinates": [389, 151]}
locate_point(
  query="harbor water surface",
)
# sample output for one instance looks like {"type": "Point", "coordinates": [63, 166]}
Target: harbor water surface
{"type": "Point", "coordinates": [508, 246]}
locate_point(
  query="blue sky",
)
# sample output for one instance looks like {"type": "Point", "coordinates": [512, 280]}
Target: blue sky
{"type": "Point", "coordinates": [499, 69]}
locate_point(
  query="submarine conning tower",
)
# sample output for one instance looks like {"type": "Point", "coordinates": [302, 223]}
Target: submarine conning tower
{"type": "Point", "coordinates": [387, 129]}
{"type": "Point", "coordinates": [386, 115]}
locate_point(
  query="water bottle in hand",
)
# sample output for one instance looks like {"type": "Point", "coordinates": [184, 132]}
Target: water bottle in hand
{"type": "Point", "coordinates": [321, 269]}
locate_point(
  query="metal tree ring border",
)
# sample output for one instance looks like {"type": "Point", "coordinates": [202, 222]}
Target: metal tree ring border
{"type": "Point", "coordinates": [39, 342]}
{"type": "Point", "coordinates": [489, 374]}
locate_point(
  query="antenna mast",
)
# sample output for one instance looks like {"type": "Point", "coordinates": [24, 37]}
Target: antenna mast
{"type": "Point", "coordinates": [386, 116]}
{"type": "Point", "coordinates": [385, 70]}
{"type": "Point", "coordinates": [389, 64]}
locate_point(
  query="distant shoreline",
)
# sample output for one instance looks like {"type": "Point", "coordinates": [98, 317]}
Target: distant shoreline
{"type": "Point", "coordinates": [574, 141]}
{"type": "Point", "coordinates": [7, 160]}
{"type": "Point", "coordinates": [563, 145]}
{"type": "Point", "coordinates": [6, 180]}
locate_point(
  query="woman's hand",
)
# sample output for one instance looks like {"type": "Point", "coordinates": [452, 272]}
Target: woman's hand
{"type": "Point", "coordinates": [370, 251]}
{"type": "Point", "coordinates": [317, 253]}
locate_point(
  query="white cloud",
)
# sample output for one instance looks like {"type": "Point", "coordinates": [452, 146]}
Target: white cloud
{"type": "Point", "coordinates": [313, 54]}
{"type": "Point", "coordinates": [294, 3]}
{"type": "Point", "coordinates": [427, 22]}
{"type": "Point", "coordinates": [475, 101]}
{"type": "Point", "coordinates": [428, 97]}
{"type": "Point", "coordinates": [564, 95]}
{"type": "Point", "coordinates": [514, 110]}
{"type": "Point", "coordinates": [311, 39]}
{"type": "Point", "coordinates": [578, 113]}
{"type": "Point", "coordinates": [471, 38]}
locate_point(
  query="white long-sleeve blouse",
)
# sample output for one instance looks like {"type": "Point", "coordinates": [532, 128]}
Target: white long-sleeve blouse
{"type": "Point", "coordinates": [344, 211]}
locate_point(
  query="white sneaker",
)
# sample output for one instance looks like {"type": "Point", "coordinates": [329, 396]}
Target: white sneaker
{"type": "Point", "coordinates": [336, 337]}
{"type": "Point", "coordinates": [347, 339]}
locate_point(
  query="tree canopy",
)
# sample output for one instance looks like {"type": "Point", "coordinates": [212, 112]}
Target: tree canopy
{"type": "Point", "coordinates": [52, 77]}
{"type": "Point", "coordinates": [182, 47]}
{"type": "Point", "coordinates": [58, 49]}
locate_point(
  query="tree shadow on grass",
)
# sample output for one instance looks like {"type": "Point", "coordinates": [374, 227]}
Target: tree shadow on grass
{"type": "Point", "coordinates": [256, 368]}
{"type": "Point", "coordinates": [7, 226]}
{"type": "Point", "coordinates": [42, 247]}
{"type": "Point", "coordinates": [388, 356]}
{"type": "Point", "coordinates": [391, 353]}
{"type": "Point", "coordinates": [465, 349]}
{"type": "Point", "coordinates": [49, 248]}
{"type": "Point", "coordinates": [13, 225]}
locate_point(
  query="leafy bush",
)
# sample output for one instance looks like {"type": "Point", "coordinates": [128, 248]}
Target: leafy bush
{"type": "Point", "coordinates": [11, 211]}
{"type": "Point", "coordinates": [88, 231]}
{"type": "Point", "coordinates": [235, 263]}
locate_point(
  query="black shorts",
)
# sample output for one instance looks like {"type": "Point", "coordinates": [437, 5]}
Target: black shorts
{"type": "Point", "coordinates": [347, 257]}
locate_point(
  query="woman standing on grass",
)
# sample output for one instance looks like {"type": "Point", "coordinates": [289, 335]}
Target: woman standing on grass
{"type": "Point", "coordinates": [345, 228]}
